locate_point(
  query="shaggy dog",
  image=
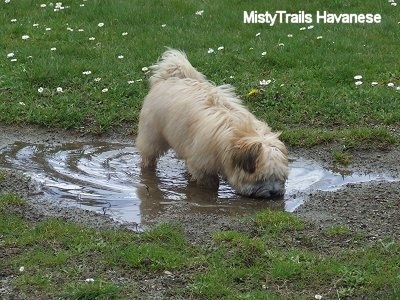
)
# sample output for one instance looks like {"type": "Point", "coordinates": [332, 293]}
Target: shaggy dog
{"type": "Point", "coordinates": [209, 128]}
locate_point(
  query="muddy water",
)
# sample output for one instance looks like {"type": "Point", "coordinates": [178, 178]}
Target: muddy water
{"type": "Point", "coordinates": [105, 177]}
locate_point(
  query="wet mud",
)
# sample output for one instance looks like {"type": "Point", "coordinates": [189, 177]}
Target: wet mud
{"type": "Point", "coordinates": [74, 173]}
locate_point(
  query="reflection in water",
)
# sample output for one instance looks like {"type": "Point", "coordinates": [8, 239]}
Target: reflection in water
{"type": "Point", "coordinates": [106, 177]}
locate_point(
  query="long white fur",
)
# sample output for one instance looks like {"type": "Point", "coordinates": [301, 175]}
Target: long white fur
{"type": "Point", "coordinates": [209, 128]}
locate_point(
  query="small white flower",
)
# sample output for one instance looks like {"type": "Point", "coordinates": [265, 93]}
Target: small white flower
{"type": "Point", "coordinates": [13, 59]}
{"type": "Point", "coordinates": [105, 90]}
{"type": "Point", "coordinates": [81, 30]}
{"type": "Point", "coordinates": [97, 79]}
{"type": "Point", "coordinates": [100, 24]}
{"type": "Point", "coordinates": [220, 48]}
{"type": "Point", "coordinates": [318, 297]}
{"type": "Point", "coordinates": [48, 29]}
{"type": "Point", "coordinates": [131, 81]}
{"type": "Point", "coordinates": [358, 82]}
{"type": "Point", "coordinates": [11, 54]}
{"type": "Point", "coordinates": [89, 280]}
{"type": "Point", "coordinates": [40, 89]}
{"type": "Point", "coordinates": [264, 53]}
{"type": "Point", "coordinates": [25, 37]}
{"type": "Point", "coordinates": [398, 88]}
{"type": "Point", "coordinates": [53, 49]}
{"type": "Point", "coordinates": [82, 5]}
{"type": "Point", "coordinates": [319, 37]}
{"type": "Point", "coordinates": [290, 35]}
{"type": "Point", "coordinates": [23, 104]}
{"type": "Point", "coordinates": [145, 69]}
{"type": "Point", "coordinates": [393, 4]}
{"type": "Point", "coordinates": [199, 12]}
{"type": "Point", "coordinates": [92, 38]}
{"type": "Point", "coordinates": [163, 25]}
{"type": "Point", "coordinates": [124, 33]}
{"type": "Point", "coordinates": [87, 72]}
{"type": "Point", "coordinates": [231, 77]}
{"type": "Point", "coordinates": [21, 269]}
{"type": "Point", "coordinates": [13, 20]}
{"type": "Point", "coordinates": [357, 77]}
{"type": "Point", "coordinates": [310, 27]}
{"type": "Point", "coordinates": [265, 82]}
{"type": "Point", "coordinates": [281, 44]}
{"type": "Point", "coordinates": [374, 83]}
{"type": "Point", "coordinates": [59, 89]}
{"type": "Point", "coordinates": [258, 33]}
{"type": "Point", "coordinates": [210, 50]}
{"type": "Point", "coordinates": [70, 29]}
{"type": "Point", "coordinates": [43, 5]}
{"type": "Point", "coordinates": [35, 25]}
{"type": "Point", "coordinates": [302, 28]}
{"type": "Point", "coordinates": [6, 1]}
{"type": "Point", "coordinates": [390, 84]}
{"type": "Point", "coordinates": [120, 56]}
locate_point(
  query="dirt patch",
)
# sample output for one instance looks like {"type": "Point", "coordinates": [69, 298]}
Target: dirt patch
{"type": "Point", "coordinates": [372, 208]}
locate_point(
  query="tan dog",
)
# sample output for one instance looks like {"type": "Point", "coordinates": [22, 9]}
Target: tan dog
{"type": "Point", "coordinates": [208, 127]}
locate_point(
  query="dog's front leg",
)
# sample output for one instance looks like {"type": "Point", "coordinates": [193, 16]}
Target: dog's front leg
{"type": "Point", "coordinates": [209, 180]}
{"type": "Point", "coordinates": [202, 177]}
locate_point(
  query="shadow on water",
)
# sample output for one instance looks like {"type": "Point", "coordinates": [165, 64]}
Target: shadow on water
{"type": "Point", "coordinates": [105, 177]}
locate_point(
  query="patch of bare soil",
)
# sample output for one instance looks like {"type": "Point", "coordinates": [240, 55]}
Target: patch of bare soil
{"type": "Point", "coordinates": [372, 208]}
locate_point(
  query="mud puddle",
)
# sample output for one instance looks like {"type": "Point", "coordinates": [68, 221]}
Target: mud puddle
{"type": "Point", "coordinates": [106, 178]}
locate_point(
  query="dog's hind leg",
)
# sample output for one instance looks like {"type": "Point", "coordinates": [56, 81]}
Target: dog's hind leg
{"type": "Point", "coordinates": [151, 147]}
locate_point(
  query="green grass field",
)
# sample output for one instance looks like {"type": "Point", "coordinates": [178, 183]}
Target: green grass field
{"type": "Point", "coordinates": [95, 51]}
{"type": "Point", "coordinates": [283, 258]}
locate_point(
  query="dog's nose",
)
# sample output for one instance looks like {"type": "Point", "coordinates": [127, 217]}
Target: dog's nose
{"type": "Point", "coordinates": [276, 193]}
{"type": "Point", "coordinates": [266, 194]}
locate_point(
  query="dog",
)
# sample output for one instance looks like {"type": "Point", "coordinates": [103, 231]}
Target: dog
{"type": "Point", "coordinates": [208, 127]}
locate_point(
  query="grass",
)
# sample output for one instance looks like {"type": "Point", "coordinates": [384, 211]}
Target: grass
{"type": "Point", "coordinates": [312, 96]}
{"type": "Point", "coordinates": [283, 257]}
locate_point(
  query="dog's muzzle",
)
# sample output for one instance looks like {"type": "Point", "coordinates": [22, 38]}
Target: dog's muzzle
{"type": "Point", "coordinates": [265, 189]}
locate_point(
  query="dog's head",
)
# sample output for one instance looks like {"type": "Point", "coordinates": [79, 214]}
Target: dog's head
{"type": "Point", "coordinates": [259, 166]}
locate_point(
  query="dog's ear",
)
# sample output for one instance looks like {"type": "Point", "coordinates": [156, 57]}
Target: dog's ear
{"type": "Point", "coordinates": [245, 156]}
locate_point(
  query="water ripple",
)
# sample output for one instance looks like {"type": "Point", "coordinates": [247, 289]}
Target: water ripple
{"type": "Point", "coordinates": [106, 177]}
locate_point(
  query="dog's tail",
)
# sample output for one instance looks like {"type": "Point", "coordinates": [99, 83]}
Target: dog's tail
{"type": "Point", "coordinates": [174, 63]}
